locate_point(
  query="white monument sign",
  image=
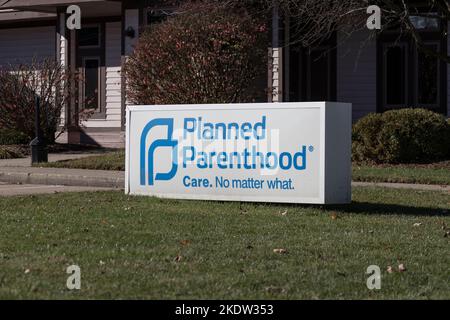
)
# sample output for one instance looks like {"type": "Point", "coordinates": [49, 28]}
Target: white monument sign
{"type": "Point", "coordinates": [283, 152]}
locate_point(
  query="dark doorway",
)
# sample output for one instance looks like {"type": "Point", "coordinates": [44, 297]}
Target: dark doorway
{"type": "Point", "coordinates": [312, 72]}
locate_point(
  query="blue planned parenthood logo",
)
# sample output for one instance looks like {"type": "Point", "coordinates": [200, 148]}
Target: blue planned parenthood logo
{"type": "Point", "coordinates": [229, 155]}
{"type": "Point", "coordinates": [157, 144]}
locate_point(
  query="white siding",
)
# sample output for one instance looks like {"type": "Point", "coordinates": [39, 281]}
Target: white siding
{"type": "Point", "coordinates": [113, 71]}
{"type": "Point", "coordinates": [23, 44]}
{"type": "Point", "coordinates": [357, 72]}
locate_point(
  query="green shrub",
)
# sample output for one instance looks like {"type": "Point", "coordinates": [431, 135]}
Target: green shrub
{"type": "Point", "coordinates": [401, 136]}
{"type": "Point", "coordinates": [9, 137]}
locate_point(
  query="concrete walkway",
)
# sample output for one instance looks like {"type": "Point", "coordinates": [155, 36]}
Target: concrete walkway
{"type": "Point", "coordinates": [19, 171]}
{"type": "Point", "coordinates": [52, 157]}
{"type": "Point", "coordinates": [116, 179]}
{"type": "Point", "coordinates": [64, 177]}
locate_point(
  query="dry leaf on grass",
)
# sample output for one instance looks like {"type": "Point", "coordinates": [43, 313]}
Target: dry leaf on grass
{"type": "Point", "coordinates": [401, 268]}
{"type": "Point", "coordinates": [280, 251]}
{"type": "Point", "coordinates": [185, 242]}
{"type": "Point", "coordinates": [275, 290]}
{"type": "Point", "coordinates": [390, 269]}
{"type": "Point", "coordinates": [178, 258]}
{"type": "Point", "coordinates": [417, 224]}
{"type": "Point", "coordinates": [334, 216]}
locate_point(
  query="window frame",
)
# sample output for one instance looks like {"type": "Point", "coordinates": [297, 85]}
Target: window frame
{"type": "Point", "coordinates": [438, 80]}
{"type": "Point", "coordinates": [436, 36]}
{"type": "Point", "coordinates": [98, 110]}
{"type": "Point", "coordinates": [385, 47]}
{"type": "Point", "coordinates": [91, 52]}
{"type": "Point", "coordinates": [99, 39]}
{"type": "Point", "coordinates": [165, 11]}
{"type": "Point", "coordinates": [325, 52]}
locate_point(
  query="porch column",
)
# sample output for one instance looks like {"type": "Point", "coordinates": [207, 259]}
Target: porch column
{"type": "Point", "coordinates": [62, 55]}
{"type": "Point", "coordinates": [65, 55]}
{"type": "Point", "coordinates": [276, 59]}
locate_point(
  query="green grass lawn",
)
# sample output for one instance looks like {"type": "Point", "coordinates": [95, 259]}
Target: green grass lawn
{"type": "Point", "coordinates": [109, 161]}
{"type": "Point", "coordinates": [438, 173]}
{"type": "Point", "coordinates": [137, 247]}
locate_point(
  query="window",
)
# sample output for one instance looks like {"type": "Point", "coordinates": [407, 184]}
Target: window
{"type": "Point", "coordinates": [319, 72]}
{"type": "Point", "coordinates": [395, 61]}
{"type": "Point", "coordinates": [89, 36]}
{"type": "Point", "coordinates": [90, 60]}
{"type": "Point", "coordinates": [428, 77]}
{"type": "Point", "coordinates": [91, 90]}
{"type": "Point", "coordinates": [411, 77]}
{"type": "Point", "coordinates": [425, 23]}
{"type": "Point", "coordinates": [157, 16]}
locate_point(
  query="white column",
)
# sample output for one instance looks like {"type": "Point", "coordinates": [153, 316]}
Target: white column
{"type": "Point", "coordinates": [276, 60]}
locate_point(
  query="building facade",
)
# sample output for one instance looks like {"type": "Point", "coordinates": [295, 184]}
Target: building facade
{"type": "Point", "coordinates": [374, 73]}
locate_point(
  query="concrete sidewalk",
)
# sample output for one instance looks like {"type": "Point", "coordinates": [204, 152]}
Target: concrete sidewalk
{"type": "Point", "coordinates": [9, 190]}
{"type": "Point", "coordinates": [19, 171]}
{"type": "Point", "coordinates": [63, 177]}
{"type": "Point", "coordinates": [116, 179]}
{"type": "Point", "coordinates": [52, 157]}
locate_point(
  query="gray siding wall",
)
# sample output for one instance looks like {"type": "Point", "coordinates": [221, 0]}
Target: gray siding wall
{"type": "Point", "coordinates": [131, 20]}
{"type": "Point", "coordinates": [357, 72]}
{"type": "Point", "coordinates": [23, 44]}
{"type": "Point", "coordinates": [113, 72]}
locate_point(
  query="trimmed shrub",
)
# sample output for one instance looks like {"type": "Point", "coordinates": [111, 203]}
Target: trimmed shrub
{"type": "Point", "coordinates": [203, 53]}
{"type": "Point", "coordinates": [401, 136]}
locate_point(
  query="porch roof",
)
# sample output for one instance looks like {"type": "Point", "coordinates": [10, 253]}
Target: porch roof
{"type": "Point", "coordinates": [8, 15]}
{"type": "Point", "coordinates": [15, 4]}
{"type": "Point", "coordinates": [26, 10]}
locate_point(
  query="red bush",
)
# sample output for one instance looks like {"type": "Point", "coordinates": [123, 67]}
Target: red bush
{"type": "Point", "coordinates": [21, 84]}
{"type": "Point", "coordinates": [203, 53]}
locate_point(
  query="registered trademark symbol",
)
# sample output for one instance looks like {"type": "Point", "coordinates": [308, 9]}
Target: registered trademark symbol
{"type": "Point", "coordinates": [311, 148]}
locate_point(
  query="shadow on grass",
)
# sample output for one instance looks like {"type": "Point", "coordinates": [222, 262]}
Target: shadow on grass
{"type": "Point", "coordinates": [367, 208]}
{"type": "Point", "coordinates": [386, 209]}
{"type": "Point", "coordinates": [356, 207]}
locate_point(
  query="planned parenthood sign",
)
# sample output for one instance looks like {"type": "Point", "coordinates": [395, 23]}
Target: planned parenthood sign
{"type": "Point", "coordinates": [284, 152]}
